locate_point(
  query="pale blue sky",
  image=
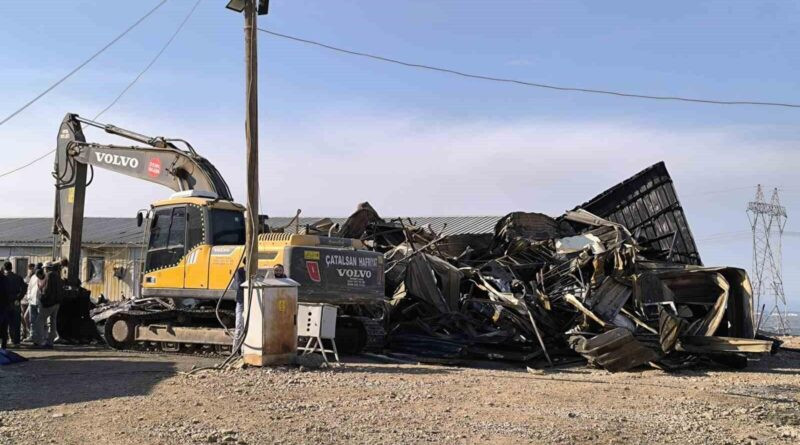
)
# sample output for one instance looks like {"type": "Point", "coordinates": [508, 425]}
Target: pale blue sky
{"type": "Point", "coordinates": [337, 130]}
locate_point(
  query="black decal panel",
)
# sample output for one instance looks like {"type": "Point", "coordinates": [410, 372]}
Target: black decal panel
{"type": "Point", "coordinates": [336, 275]}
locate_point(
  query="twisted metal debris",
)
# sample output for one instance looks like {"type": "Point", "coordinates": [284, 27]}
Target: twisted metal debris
{"type": "Point", "coordinates": [617, 280]}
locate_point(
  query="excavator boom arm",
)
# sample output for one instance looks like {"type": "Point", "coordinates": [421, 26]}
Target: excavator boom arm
{"type": "Point", "coordinates": [169, 167]}
{"type": "Point", "coordinates": [161, 162]}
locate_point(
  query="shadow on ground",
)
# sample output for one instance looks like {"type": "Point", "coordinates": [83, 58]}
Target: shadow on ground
{"type": "Point", "coordinates": [54, 379]}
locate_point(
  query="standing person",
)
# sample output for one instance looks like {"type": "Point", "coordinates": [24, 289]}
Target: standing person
{"type": "Point", "coordinates": [238, 280]}
{"type": "Point", "coordinates": [26, 313]}
{"type": "Point", "coordinates": [30, 273]}
{"type": "Point", "coordinates": [63, 269]}
{"type": "Point", "coordinates": [15, 290]}
{"type": "Point", "coordinates": [48, 304]}
{"type": "Point", "coordinates": [34, 296]}
{"type": "Point", "coordinates": [5, 312]}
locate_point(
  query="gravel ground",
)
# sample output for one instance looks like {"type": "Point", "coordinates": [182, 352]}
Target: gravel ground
{"type": "Point", "coordinates": [89, 395]}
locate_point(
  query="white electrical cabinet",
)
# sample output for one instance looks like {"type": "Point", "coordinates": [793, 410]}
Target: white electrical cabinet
{"type": "Point", "coordinates": [317, 322]}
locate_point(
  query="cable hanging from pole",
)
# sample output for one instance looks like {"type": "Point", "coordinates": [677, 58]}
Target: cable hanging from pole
{"type": "Point", "coordinates": [526, 83]}
{"type": "Point", "coordinates": [153, 61]}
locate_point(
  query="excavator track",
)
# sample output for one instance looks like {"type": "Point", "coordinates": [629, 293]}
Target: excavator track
{"type": "Point", "coordinates": [120, 330]}
{"type": "Point", "coordinates": [354, 334]}
{"type": "Point", "coordinates": [357, 334]}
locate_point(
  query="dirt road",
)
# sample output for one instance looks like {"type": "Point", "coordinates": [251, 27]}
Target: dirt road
{"type": "Point", "coordinates": [97, 396]}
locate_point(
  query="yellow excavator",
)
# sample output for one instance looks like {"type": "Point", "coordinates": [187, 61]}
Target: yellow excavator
{"type": "Point", "coordinates": [194, 245]}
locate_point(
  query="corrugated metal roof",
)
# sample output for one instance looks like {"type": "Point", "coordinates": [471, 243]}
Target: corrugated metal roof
{"type": "Point", "coordinates": [95, 231]}
{"type": "Point", "coordinates": [647, 204]}
{"type": "Point", "coordinates": [448, 225]}
{"type": "Point", "coordinates": [100, 231]}
{"type": "Point", "coordinates": [456, 225]}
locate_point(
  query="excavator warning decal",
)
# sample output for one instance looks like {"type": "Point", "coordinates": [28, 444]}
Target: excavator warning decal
{"type": "Point", "coordinates": [154, 167]}
{"type": "Point", "coordinates": [313, 271]}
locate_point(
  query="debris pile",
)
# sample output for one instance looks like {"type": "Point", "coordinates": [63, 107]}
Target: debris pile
{"type": "Point", "coordinates": [617, 280]}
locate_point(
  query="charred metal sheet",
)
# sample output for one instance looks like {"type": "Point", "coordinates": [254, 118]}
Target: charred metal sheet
{"type": "Point", "coordinates": [704, 292]}
{"type": "Point", "coordinates": [421, 282]}
{"type": "Point", "coordinates": [648, 206]}
{"type": "Point", "coordinates": [616, 350]}
{"type": "Point", "coordinates": [609, 298]}
{"type": "Point", "coordinates": [465, 247]}
{"type": "Point", "coordinates": [707, 345]}
{"type": "Point", "coordinates": [532, 226]}
{"type": "Point", "coordinates": [358, 222]}
{"type": "Point", "coordinates": [650, 293]}
{"type": "Point", "coordinates": [670, 328]}
{"type": "Point", "coordinates": [739, 317]}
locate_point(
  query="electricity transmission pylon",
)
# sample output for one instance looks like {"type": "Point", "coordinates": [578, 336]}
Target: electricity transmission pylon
{"type": "Point", "coordinates": [767, 219]}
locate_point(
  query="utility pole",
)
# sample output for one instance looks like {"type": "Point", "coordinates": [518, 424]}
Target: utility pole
{"type": "Point", "coordinates": [251, 135]}
{"type": "Point", "coordinates": [251, 9]}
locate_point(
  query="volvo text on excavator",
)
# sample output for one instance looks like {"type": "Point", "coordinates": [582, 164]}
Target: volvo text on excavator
{"type": "Point", "coordinates": [195, 242]}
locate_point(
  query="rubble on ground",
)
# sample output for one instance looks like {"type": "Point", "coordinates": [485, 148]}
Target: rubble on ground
{"type": "Point", "coordinates": [617, 280]}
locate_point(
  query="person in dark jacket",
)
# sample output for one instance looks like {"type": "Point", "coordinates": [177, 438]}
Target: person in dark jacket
{"type": "Point", "coordinates": [5, 312]}
{"type": "Point", "coordinates": [15, 290]}
{"type": "Point", "coordinates": [48, 309]}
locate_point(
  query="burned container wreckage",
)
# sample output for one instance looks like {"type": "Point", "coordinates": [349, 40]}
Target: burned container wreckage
{"type": "Point", "coordinates": [617, 280]}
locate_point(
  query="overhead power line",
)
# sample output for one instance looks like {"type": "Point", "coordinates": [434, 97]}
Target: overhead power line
{"type": "Point", "coordinates": [125, 90]}
{"type": "Point", "coordinates": [530, 84]}
{"type": "Point", "coordinates": [741, 235]}
{"type": "Point", "coordinates": [152, 62]}
{"type": "Point", "coordinates": [714, 192]}
{"type": "Point", "coordinates": [85, 62]}
{"type": "Point", "coordinates": [28, 164]}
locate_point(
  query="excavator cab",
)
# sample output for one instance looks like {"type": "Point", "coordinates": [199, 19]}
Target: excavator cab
{"type": "Point", "coordinates": [194, 244]}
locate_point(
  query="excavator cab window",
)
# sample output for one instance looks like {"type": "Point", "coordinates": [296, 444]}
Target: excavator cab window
{"type": "Point", "coordinates": [177, 231]}
{"type": "Point", "coordinates": [227, 227]}
{"type": "Point", "coordinates": [194, 228]}
{"type": "Point", "coordinates": [159, 232]}
{"type": "Point", "coordinates": [167, 238]}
